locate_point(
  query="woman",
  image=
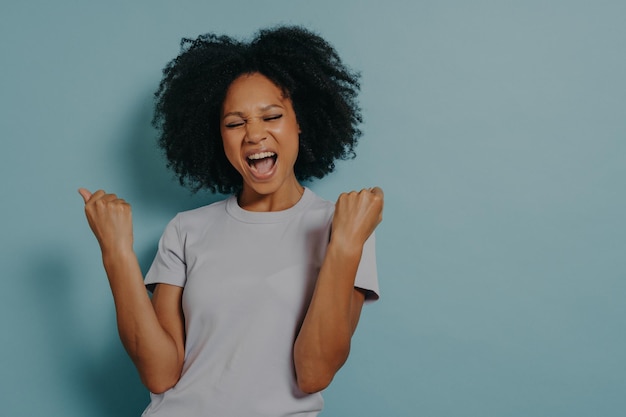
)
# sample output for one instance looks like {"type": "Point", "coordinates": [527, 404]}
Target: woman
{"type": "Point", "coordinates": [254, 298]}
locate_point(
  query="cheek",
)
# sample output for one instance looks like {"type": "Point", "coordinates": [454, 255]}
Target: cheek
{"type": "Point", "coordinates": [289, 135]}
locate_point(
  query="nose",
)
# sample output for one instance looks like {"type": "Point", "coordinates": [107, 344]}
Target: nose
{"type": "Point", "coordinates": [255, 131]}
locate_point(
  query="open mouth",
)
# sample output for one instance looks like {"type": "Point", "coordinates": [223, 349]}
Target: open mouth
{"type": "Point", "coordinates": [262, 162]}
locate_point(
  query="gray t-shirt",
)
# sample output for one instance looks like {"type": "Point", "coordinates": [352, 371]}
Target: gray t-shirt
{"type": "Point", "coordinates": [248, 279]}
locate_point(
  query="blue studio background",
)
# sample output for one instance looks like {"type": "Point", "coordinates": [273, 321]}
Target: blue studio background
{"type": "Point", "coordinates": [496, 128]}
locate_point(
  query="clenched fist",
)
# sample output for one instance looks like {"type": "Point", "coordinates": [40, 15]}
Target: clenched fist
{"type": "Point", "coordinates": [110, 219]}
{"type": "Point", "coordinates": [356, 216]}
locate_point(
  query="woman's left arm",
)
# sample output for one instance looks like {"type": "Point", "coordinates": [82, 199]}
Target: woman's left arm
{"type": "Point", "coordinates": [323, 343]}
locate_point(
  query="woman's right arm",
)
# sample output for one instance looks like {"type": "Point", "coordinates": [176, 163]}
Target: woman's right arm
{"type": "Point", "coordinates": [152, 331]}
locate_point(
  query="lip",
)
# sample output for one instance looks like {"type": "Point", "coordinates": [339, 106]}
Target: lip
{"type": "Point", "coordinates": [253, 173]}
{"type": "Point", "coordinates": [259, 150]}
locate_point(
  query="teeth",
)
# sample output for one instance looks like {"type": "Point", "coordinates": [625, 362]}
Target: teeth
{"type": "Point", "coordinates": [261, 155]}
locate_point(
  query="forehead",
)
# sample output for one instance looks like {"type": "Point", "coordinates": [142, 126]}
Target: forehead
{"type": "Point", "coordinates": [252, 90]}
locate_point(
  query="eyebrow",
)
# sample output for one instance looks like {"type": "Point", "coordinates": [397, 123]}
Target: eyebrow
{"type": "Point", "coordinates": [262, 110]}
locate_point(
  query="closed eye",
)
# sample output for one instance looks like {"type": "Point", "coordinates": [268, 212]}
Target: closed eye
{"type": "Point", "coordinates": [272, 117]}
{"type": "Point", "coordinates": [232, 125]}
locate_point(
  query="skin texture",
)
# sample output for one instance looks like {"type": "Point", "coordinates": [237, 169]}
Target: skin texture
{"type": "Point", "coordinates": [256, 117]}
{"type": "Point", "coordinates": [323, 344]}
{"type": "Point", "coordinates": [189, 102]}
{"type": "Point", "coordinates": [151, 331]}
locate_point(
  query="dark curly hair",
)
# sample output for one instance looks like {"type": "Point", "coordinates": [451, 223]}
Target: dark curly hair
{"type": "Point", "coordinates": [302, 64]}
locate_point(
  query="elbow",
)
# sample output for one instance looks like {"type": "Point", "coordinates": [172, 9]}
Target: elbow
{"type": "Point", "coordinates": [158, 387]}
{"type": "Point", "coordinates": [315, 372]}
{"type": "Point", "coordinates": [160, 377]}
{"type": "Point", "coordinates": [312, 384]}
{"type": "Point", "coordinates": [158, 384]}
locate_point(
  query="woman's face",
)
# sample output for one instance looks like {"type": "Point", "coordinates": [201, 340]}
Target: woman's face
{"type": "Point", "coordinates": [260, 135]}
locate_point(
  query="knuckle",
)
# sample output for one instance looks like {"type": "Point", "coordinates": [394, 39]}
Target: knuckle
{"type": "Point", "coordinates": [344, 196]}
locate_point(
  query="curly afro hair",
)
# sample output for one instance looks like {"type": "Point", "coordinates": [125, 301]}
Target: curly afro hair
{"type": "Point", "coordinates": [302, 64]}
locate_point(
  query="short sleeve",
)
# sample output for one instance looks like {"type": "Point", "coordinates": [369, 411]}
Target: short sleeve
{"type": "Point", "coordinates": [367, 274]}
{"type": "Point", "coordinates": [169, 266]}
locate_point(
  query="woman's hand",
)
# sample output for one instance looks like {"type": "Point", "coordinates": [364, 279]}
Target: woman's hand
{"type": "Point", "coordinates": [153, 334]}
{"type": "Point", "coordinates": [323, 343]}
{"type": "Point", "coordinates": [356, 216]}
{"type": "Point", "coordinates": [110, 219]}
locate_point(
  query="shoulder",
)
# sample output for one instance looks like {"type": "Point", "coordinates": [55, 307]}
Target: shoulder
{"type": "Point", "coordinates": [316, 202]}
{"type": "Point", "coordinates": [317, 213]}
{"type": "Point", "coordinates": [317, 206]}
{"type": "Point", "coordinates": [194, 218]}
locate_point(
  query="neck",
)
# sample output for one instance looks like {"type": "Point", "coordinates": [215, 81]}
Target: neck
{"type": "Point", "coordinates": [282, 199]}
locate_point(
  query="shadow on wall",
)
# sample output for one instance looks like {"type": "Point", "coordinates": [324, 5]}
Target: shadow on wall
{"type": "Point", "coordinates": [153, 186]}
{"type": "Point", "coordinates": [102, 377]}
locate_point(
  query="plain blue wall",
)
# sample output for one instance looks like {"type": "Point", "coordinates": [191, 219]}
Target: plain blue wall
{"type": "Point", "coordinates": [496, 128]}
